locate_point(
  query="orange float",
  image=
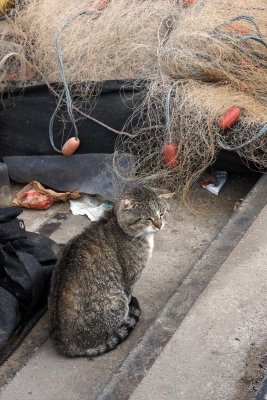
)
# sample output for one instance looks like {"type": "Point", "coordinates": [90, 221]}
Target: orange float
{"type": "Point", "coordinates": [102, 4]}
{"type": "Point", "coordinates": [171, 155]}
{"type": "Point", "coordinates": [189, 3]}
{"type": "Point", "coordinates": [229, 117]}
{"type": "Point", "coordinates": [70, 146]}
{"type": "Point", "coordinates": [237, 27]}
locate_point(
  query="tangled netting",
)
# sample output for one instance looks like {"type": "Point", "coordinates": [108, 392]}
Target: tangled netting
{"type": "Point", "coordinates": [212, 57]}
{"type": "Point", "coordinates": [195, 59]}
{"type": "Point", "coordinates": [13, 63]}
{"type": "Point", "coordinates": [96, 39]}
{"type": "Point", "coordinates": [81, 43]}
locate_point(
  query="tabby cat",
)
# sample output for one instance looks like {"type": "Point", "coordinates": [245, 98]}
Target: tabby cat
{"type": "Point", "coordinates": [91, 304]}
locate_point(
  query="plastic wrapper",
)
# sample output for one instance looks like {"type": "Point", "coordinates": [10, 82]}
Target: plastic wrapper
{"type": "Point", "coordinates": [217, 183]}
{"type": "Point", "coordinates": [34, 195]}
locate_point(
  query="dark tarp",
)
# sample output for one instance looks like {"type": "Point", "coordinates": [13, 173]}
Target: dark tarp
{"type": "Point", "coordinates": [25, 116]}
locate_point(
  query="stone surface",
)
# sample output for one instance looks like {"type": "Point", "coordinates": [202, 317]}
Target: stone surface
{"type": "Point", "coordinates": [47, 375]}
{"type": "Point", "coordinates": [210, 353]}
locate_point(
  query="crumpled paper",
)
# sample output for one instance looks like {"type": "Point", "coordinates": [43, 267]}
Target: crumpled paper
{"type": "Point", "coordinates": [92, 206]}
{"type": "Point", "coordinates": [34, 195]}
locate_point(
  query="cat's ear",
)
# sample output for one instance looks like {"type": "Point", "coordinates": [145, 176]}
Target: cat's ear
{"type": "Point", "coordinates": [163, 193]}
{"type": "Point", "coordinates": [127, 202]}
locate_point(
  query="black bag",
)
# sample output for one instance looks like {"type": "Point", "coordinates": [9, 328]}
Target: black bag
{"type": "Point", "coordinates": [26, 263]}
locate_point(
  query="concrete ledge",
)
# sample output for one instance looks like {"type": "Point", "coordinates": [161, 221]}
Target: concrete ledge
{"type": "Point", "coordinates": [215, 353]}
{"type": "Point", "coordinates": [141, 358]}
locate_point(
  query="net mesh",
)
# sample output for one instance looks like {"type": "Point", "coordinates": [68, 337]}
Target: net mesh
{"type": "Point", "coordinates": [99, 40]}
{"type": "Point", "coordinates": [213, 57]}
{"type": "Point", "coordinates": [195, 60]}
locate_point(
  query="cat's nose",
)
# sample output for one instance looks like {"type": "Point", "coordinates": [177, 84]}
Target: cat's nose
{"type": "Point", "coordinates": [158, 223]}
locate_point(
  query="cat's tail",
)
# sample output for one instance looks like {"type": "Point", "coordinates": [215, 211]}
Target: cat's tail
{"type": "Point", "coordinates": [121, 334]}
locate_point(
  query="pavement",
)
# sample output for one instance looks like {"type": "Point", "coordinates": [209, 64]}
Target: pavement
{"type": "Point", "coordinates": [203, 329]}
{"type": "Point", "coordinates": [208, 355]}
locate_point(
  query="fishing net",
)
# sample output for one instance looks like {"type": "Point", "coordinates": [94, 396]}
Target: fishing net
{"type": "Point", "coordinates": [95, 40]}
{"type": "Point", "coordinates": [13, 64]}
{"type": "Point", "coordinates": [195, 110]}
{"type": "Point", "coordinates": [195, 59]}
{"type": "Point", "coordinates": [77, 45]}
{"type": "Point", "coordinates": [212, 57]}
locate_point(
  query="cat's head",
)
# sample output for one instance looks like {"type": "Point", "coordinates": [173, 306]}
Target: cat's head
{"type": "Point", "coordinates": [141, 211]}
